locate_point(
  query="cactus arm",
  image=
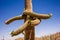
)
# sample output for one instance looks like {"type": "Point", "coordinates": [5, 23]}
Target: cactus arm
{"type": "Point", "coordinates": [41, 16]}
{"type": "Point", "coordinates": [35, 22]}
{"type": "Point", "coordinates": [23, 32]}
{"type": "Point", "coordinates": [13, 19]}
{"type": "Point", "coordinates": [21, 29]}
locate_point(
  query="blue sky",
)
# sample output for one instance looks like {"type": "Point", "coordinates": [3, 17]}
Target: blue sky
{"type": "Point", "coordinates": [11, 8]}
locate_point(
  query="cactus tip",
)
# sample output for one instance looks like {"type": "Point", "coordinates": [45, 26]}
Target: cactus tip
{"type": "Point", "coordinates": [12, 33]}
{"type": "Point", "coordinates": [50, 14]}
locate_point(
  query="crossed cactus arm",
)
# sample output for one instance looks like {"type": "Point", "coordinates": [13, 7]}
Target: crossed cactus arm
{"type": "Point", "coordinates": [13, 19]}
{"type": "Point", "coordinates": [23, 32]}
{"type": "Point", "coordinates": [41, 16]}
{"type": "Point", "coordinates": [21, 29]}
{"type": "Point", "coordinates": [24, 26]}
{"type": "Point", "coordinates": [35, 22]}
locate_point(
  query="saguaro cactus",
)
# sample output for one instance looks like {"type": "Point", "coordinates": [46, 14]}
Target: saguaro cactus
{"type": "Point", "coordinates": [31, 19]}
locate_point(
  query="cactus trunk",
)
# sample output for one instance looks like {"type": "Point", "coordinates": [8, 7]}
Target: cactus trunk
{"type": "Point", "coordinates": [29, 31]}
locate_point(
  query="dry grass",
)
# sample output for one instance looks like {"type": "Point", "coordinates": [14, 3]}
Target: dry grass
{"type": "Point", "coordinates": [55, 36]}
